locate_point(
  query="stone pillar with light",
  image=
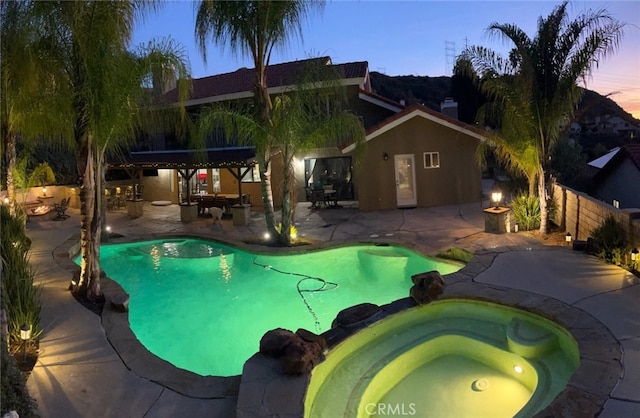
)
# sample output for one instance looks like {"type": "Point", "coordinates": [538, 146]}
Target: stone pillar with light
{"type": "Point", "coordinates": [635, 256]}
{"type": "Point", "coordinates": [497, 218]}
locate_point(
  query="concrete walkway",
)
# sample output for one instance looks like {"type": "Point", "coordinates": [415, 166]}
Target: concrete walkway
{"type": "Point", "coordinates": [79, 374]}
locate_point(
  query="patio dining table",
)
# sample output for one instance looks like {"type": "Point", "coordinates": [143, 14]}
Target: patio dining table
{"type": "Point", "coordinates": [220, 200]}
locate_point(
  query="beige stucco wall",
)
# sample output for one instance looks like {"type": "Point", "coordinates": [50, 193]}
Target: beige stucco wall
{"type": "Point", "coordinates": [458, 180]}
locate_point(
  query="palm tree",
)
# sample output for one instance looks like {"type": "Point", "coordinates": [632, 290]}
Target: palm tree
{"type": "Point", "coordinates": [101, 87]}
{"type": "Point", "coordinates": [301, 119]}
{"type": "Point", "coordinates": [23, 104]}
{"type": "Point", "coordinates": [536, 85]}
{"type": "Point", "coordinates": [255, 28]}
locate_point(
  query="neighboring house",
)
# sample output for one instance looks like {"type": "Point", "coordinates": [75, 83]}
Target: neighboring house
{"type": "Point", "coordinates": [614, 125]}
{"type": "Point", "coordinates": [617, 179]}
{"type": "Point", "coordinates": [440, 149]}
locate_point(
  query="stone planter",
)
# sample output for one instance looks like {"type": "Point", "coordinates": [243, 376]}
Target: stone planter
{"type": "Point", "coordinates": [241, 214]}
{"type": "Point", "coordinates": [135, 208]}
{"type": "Point", "coordinates": [188, 212]}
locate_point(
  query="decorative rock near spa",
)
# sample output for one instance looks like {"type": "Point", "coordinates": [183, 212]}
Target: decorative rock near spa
{"type": "Point", "coordinates": [274, 342]}
{"type": "Point", "coordinates": [301, 357]}
{"type": "Point", "coordinates": [120, 302]}
{"type": "Point", "coordinates": [310, 337]}
{"type": "Point", "coordinates": [354, 314]}
{"type": "Point", "coordinates": [298, 353]}
{"type": "Point", "coordinates": [427, 287]}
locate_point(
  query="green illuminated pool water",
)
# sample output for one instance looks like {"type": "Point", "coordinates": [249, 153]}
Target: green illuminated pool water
{"type": "Point", "coordinates": [204, 306]}
{"type": "Point", "coordinates": [451, 358]}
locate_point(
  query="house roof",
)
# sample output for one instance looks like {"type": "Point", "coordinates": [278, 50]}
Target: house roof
{"type": "Point", "coordinates": [380, 100]}
{"type": "Point", "coordinates": [240, 83]}
{"type": "Point", "coordinates": [230, 157]}
{"type": "Point", "coordinates": [630, 151]}
{"type": "Point", "coordinates": [426, 113]}
{"type": "Point", "coordinates": [604, 159]}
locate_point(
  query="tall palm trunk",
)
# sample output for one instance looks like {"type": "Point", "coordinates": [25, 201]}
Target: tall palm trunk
{"type": "Point", "coordinates": [542, 194]}
{"type": "Point", "coordinates": [266, 192]}
{"type": "Point", "coordinates": [263, 106]}
{"type": "Point", "coordinates": [286, 213]}
{"type": "Point", "coordinates": [89, 224]}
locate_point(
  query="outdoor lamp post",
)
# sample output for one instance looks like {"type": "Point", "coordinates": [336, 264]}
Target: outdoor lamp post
{"type": "Point", "coordinates": [25, 334]}
{"type": "Point", "coordinates": [496, 197]}
{"type": "Point", "coordinates": [44, 191]}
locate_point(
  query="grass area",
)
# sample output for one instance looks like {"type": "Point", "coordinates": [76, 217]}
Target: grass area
{"type": "Point", "coordinates": [456, 254]}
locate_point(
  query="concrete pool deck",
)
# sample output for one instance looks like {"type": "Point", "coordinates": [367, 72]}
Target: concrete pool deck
{"type": "Point", "coordinates": [79, 374]}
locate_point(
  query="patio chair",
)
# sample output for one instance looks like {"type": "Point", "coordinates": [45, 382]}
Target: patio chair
{"type": "Point", "coordinates": [61, 209]}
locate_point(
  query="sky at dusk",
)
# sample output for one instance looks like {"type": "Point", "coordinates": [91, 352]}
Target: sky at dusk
{"type": "Point", "coordinates": [412, 37]}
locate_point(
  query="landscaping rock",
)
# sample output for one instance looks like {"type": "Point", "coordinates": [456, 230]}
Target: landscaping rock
{"type": "Point", "coordinates": [310, 337]}
{"type": "Point", "coordinates": [274, 343]}
{"type": "Point", "coordinates": [354, 314]}
{"type": "Point", "coordinates": [120, 302]}
{"type": "Point", "coordinates": [301, 357]}
{"type": "Point", "coordinates": [427, 287]}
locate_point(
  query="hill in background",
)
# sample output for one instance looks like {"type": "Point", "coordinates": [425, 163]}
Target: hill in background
{"type": "Point", "coordinates": [431, 91]}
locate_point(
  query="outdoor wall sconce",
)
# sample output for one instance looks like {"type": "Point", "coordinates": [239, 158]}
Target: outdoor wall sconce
{"type": "Point", "coordinates": [25, 334]}
{"type": "Point", "coordinates": [385, 156]}
{"type": "Point", "coordinates": [496, 198]}
{"type": "Point", "coordinates": [568, 237]}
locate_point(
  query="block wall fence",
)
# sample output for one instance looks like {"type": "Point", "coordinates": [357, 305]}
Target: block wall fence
{"type": "Point", "coordinates": [580, 214]}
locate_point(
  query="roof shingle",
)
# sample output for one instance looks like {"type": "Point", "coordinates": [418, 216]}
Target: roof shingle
{"type": "Point", "coordinates": [278, 75]}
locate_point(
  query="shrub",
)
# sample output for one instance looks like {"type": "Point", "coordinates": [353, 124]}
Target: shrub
{"type": "Point", "coordinates": [526, 211]}
{"type": "Point", "coordinates": [13, 391]}
{"type": "Point", "coordinates": [610, 241]}
{"type": "Point", "coordinates": [22, 298]}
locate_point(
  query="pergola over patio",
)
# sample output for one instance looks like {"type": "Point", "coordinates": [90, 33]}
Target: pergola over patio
{"type": "Point", "coordinates": [238, 160]}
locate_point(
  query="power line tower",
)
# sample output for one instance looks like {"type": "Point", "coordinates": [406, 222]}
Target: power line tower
{"type": "Point", "coordinates": [450, 56]}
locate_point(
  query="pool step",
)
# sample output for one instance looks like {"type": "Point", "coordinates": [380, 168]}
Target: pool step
{"type": "Point", "coordinates": [529, 340]}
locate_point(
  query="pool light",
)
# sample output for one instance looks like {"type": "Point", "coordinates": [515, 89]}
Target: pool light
{"type": "Point", "coordinates": [518, 369]}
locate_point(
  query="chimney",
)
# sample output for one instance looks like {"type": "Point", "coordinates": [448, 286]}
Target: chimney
{"type": "Point", "coordinates": [449, 108]}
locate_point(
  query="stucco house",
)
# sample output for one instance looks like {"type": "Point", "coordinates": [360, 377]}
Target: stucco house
{"type": "Point", "coordinates": [417, 156]}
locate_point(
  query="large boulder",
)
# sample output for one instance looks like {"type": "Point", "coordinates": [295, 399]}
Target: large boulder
{"type": "Point", "coordinates": [301, 357]}
{"type": "Point", "coordinates": [427, 287]}
{"type": "Point", "coordinates": [298, 353]}
{"type": "Point", "coordinates": [275, 342]}
{"type": "Point", "coordinates": [310, 337]}
{"type": "Point", "coordinates": [355, 314]}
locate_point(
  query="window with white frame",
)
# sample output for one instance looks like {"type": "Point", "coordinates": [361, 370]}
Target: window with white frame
{"type": "Point", "coordinates": [431, 159]}
{"type": "Point", "coordinates": [252, 176]}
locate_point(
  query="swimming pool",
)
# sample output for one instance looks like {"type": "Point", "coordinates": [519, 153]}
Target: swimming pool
{"type": "Point", "coordinates": [204, 306]}
{"type": "Point", "coordinates": [450, 358]}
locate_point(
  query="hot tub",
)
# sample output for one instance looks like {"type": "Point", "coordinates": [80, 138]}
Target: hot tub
{"type": "Point", "coordinates": [451, 358]}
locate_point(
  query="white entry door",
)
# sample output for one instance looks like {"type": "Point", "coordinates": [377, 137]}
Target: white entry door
{"type": "Point", "coordinates": [405, 180]}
